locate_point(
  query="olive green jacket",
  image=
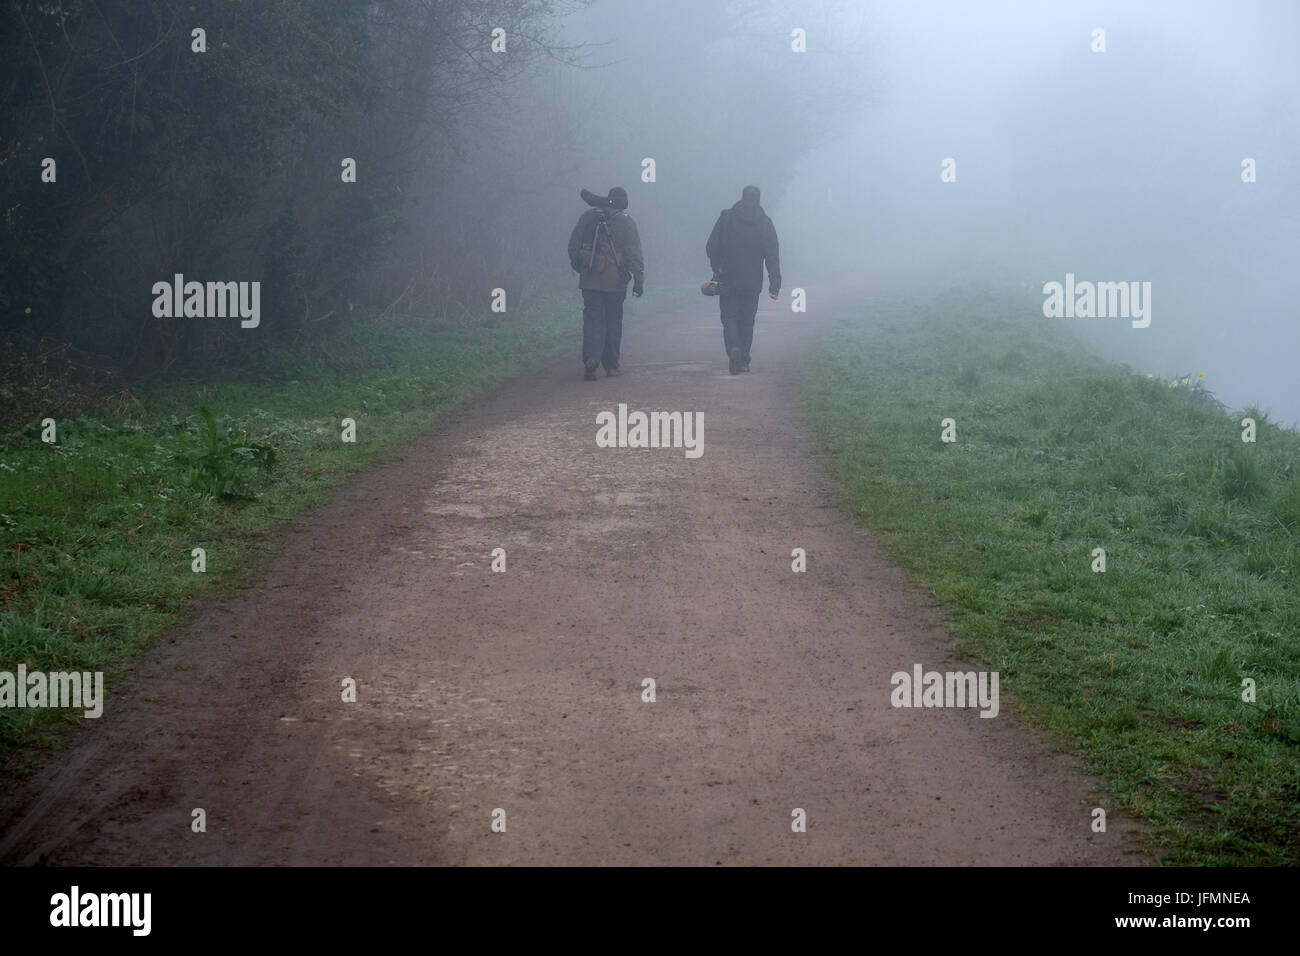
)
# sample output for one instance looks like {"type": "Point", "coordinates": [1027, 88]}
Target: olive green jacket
{"type": "Point", "coordinates": [617, 255]}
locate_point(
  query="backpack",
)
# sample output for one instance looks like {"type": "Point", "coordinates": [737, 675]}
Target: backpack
{"type": "Point", "coordinates": [601, 251]}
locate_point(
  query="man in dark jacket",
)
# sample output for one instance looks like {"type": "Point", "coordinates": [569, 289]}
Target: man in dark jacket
{"type": "Point", "coordinates": [743, 239]}
{"type": "Point", "coordinates": [605, 250]}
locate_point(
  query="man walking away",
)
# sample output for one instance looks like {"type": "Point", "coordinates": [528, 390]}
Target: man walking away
{"type": "Point", "coordinates": [743, 239]}
{"type": "Point", "coordinates": [605, 251]}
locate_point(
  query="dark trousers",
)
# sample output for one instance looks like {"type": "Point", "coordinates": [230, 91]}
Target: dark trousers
{"type": "Point", "coordinates": [602, 326]}
{"type": "Point", "coordinates": [738, 310]}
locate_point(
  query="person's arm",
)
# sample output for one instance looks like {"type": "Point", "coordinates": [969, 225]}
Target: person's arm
{"type": "Point", "coordinates": [772, 256]}
{"type": "Point", "coordinates": [713, 248]}
{"type": "Point", "coordinates": [576, 239]}
{"type": "Point", "coordinates": [634, 263]}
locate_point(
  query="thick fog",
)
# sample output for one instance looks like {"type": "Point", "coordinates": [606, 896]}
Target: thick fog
{"type": "Point", "coordinates": [900, 147]}
{"type": "Point", "coordinates": [1116, 166]}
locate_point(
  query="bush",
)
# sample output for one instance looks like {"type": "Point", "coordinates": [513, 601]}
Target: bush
{"type": "Point", "coordinates": [225, 468]}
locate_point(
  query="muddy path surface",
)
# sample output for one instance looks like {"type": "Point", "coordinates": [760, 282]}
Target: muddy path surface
{"type": "Point", "coordinates": [522, 691]}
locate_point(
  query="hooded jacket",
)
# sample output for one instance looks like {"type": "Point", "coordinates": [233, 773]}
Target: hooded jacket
{"type": "Point", "coordinates": [743, 239]}
{"type": "Point", "coordinates": [617, 256]}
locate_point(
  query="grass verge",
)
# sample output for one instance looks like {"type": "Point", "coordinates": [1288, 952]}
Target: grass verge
{"type": "Point", "coordinates": [1139, 668]}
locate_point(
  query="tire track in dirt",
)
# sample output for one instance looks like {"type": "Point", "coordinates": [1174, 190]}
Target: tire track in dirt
{"type": "Point", "coordinates": [522, 690]}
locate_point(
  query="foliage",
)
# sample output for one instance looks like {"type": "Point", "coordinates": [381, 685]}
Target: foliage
{"type": "Point", "coordinates": [225, 163]}
{"type": "Point", "coordinates": [223, 467]}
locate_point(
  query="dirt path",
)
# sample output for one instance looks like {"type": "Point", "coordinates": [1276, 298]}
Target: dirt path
{"type": "Point", "coordinates": [522, 690]}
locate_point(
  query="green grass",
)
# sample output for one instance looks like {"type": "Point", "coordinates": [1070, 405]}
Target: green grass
{"type": "Point", "coordinates": [98, 528]}
{"type": "Point", "coordinates": [1140, 668]}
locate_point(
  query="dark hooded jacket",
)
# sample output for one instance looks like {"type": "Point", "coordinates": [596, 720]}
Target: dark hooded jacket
{"type": "Point", "coordinates": [742, 240]}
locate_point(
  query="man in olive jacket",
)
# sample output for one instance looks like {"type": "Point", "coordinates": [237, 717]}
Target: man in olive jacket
{"type": "Point", "coordinates": [742, 240]}
{"type": "Point", "coordinates": [605, 251]}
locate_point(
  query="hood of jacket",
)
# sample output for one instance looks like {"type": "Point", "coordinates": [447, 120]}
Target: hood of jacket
{"type": "Point", "coordinates": [748, 211]}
